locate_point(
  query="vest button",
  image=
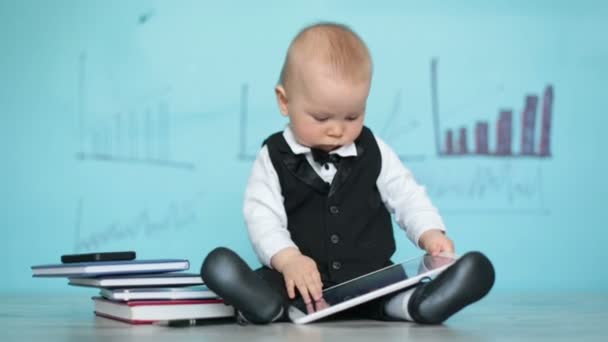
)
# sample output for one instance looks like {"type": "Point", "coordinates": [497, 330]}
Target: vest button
{"type": "Point", "coordinates": [334, 209]}
{"type": "Point", "coordinates": [334, 238]}
{"type": "Point", "coordinates": [336, 265]}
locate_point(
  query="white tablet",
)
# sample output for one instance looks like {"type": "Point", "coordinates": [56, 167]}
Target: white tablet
{"type": "Point", "coordinates": [370, 286]}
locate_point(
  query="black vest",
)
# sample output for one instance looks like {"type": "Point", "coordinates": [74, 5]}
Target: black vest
{"type": "Point", "coordinates": [344, 226]}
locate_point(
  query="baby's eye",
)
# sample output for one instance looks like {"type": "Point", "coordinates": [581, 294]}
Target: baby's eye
{"type": "Point", "coordinates": [320, 118]}
{"type": "Point", "coordinates": [352, 118]}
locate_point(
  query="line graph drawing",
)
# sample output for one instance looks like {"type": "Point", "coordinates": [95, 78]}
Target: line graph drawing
{"type": "Point", "coordinates": [490, 188]}
{"type": "Point", "coordinates": [145, 223]}
{"type": "Point", "coordinates": [396, 126]}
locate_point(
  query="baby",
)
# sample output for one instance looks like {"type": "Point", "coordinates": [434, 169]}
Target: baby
{"type": "Point", "coordinates": [321, 193]}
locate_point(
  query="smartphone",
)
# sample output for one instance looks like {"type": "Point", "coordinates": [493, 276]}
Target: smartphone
{"type": "Point", "coordinates": [90, 257]}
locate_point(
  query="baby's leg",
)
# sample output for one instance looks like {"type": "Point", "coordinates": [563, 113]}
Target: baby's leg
{"type": "Point", "coordinates": [226, 274]}
{"type": "Point", "coordinates": [396, 307]}
{"type": "Point", "coordinates": [466, 281]}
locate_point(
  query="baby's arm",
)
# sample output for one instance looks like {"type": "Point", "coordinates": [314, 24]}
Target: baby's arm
{"type": "Point", "coordinates": [413, 209]}
{"type": "Point", "coordinates": [267, 226]}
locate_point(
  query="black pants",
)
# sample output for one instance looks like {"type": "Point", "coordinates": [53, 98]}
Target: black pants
{"type": "Point", "coordinates": [371, 310]}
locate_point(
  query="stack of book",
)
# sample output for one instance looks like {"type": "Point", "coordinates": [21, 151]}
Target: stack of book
{"type": "Point", "coordinates": [142, 291]}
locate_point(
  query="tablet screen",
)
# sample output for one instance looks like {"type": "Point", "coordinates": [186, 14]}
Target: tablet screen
{"type": "Point", "coordinates": [375, 280]}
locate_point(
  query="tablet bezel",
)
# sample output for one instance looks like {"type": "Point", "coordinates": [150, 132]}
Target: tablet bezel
{"type": "Point", "coordinates": [299, 317]}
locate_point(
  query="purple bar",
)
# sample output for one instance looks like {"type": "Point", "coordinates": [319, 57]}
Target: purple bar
{"type": "Point", "coordinates": [504, 133]}
{"type": "Point", "coordinates": [528, 120]}
{"type": "Point", "coordinates": [545, 142]}
{"type": "Point", "coordinates": [481, 138]}
{"type": "Point", "coordinates": [449, 142]}
{"type": "Point", "coordinates": [462, 141]}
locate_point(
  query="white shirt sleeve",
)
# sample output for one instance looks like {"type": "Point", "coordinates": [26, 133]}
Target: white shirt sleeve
{"type": "Point", "coordinates": [405, 198]}
{"type": "Point", "coordinates": [264, 212]}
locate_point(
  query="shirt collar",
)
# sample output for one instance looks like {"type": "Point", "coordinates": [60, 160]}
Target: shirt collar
{"type": "Point", "coordinates": [349, 150]}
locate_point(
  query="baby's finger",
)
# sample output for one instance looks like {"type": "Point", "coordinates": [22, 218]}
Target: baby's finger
{"type": "Point", "coordinates": [449, 246]}
{"type": "Point", "coordinates": [314, 288]}
{"type": "Point", "coordinates": [290, 286]}
{"type": "Point", "coordinates": [304, 292]}
{"type": "Point", "coordinates": [445, 245]}
{"type": "Point", "coordinates": [321, 304]}
{"type": "Point", "coordinates": [317, 279]}
{"type": "Point", "coordinates": [434, 249]}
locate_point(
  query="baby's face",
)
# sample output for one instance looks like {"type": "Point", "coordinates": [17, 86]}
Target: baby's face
{"type": "Point", "coordinates": [324, 111]}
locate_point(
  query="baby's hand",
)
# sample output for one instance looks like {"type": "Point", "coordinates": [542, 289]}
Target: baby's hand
{"type": "Point", "coordinates": [434, 241]}
{"type": "Point", "coordinates": [299, 271]}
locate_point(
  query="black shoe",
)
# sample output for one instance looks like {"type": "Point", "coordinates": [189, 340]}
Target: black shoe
{"type": "Point", "coordinates": [466, 281]}
{"type": "Point", "coordinates": [226, 274]}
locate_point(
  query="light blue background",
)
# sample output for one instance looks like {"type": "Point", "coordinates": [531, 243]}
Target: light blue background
{"type": "Point", "coordinates": [73, 73]}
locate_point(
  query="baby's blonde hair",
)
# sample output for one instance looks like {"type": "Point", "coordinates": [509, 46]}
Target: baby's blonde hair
{"type": "Point", "coordinates": [335, 45]}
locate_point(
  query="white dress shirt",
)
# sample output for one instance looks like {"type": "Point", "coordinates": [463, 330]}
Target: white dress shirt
{"type": "Point", "coordinates": [265, 214]}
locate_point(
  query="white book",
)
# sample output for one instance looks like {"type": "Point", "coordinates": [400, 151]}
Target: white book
{"type": "Point", "coordinates": [147, 312]}
{"type": "Point", "coordinates": [164, 293]}
{"type": "Point", "coordinates": [96, 268]}
{"type": "Point", "coordinates": [139, 280]}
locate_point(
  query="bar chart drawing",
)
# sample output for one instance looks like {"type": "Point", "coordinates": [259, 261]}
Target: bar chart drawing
{"type": "Point", "coordinates": [456, 141]}
{"type": "Point", "coordinates": [137, 136]}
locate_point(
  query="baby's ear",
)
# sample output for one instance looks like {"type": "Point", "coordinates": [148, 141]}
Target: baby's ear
{"type": "Point", "coordinates": [279, 90]}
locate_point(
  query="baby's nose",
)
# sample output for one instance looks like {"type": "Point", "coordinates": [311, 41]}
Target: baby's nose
{"type": "Point", "coordinates": [335, 130]}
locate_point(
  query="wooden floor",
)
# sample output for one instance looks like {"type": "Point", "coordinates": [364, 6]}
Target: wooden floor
{"type": "Point", "coordinates": [568, 317]}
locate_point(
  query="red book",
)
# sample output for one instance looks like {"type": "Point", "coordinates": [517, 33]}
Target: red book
{"type": "Point", "coordinates": [150, 311]}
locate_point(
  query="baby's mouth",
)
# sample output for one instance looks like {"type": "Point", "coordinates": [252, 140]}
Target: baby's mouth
{"type": "Point", "coordinates": [328, 148]}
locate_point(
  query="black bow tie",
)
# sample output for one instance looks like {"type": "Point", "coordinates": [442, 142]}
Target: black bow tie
{"type": "Point", "coordinates": [323, 157]}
